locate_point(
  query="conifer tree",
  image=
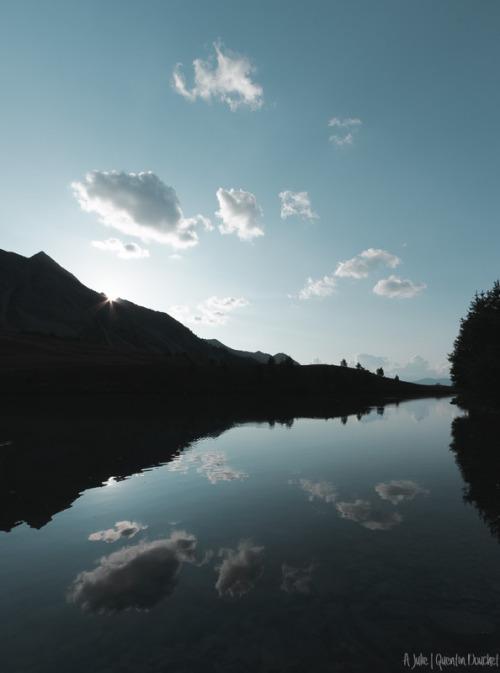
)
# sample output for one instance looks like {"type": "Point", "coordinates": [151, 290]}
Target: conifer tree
{"type": "Point", "coordinates": [475, 360]}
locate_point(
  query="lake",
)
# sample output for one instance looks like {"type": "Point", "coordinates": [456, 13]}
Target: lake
{"type": "Point", "coordinates": [226, 544]}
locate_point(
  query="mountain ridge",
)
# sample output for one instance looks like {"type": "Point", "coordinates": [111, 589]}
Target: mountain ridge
{"type": "Point", "coordinates": [38, 295]}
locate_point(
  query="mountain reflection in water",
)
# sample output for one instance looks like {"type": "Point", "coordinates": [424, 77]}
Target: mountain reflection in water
{"type": "Point", "coordinates": [59, 447]}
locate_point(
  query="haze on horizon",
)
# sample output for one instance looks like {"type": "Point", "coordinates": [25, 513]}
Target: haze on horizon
{"type": "Point", "coordinates": [317, 179]}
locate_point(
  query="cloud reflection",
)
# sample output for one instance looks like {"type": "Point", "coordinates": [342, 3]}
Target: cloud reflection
{"type": "Point", "coordinates": [133, 578]}
{"type": "Point", "coordinates": [362, 512]}
{"type": "Point", "coordinates": [398, 490]}
{"type": "Point", "coordinates": [240, 569]}
{"type": "Point", "coordinates": [122, 529]}
{"type": "Point", "coordinates": [296, 580]}
{"type": "Point", "coordinates": [213, 465]}
{"type": "Point", "coordinates": [322, 490]}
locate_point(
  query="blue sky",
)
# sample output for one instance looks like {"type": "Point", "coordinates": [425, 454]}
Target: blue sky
{"type": "Point", "coordinates": [317, 178]}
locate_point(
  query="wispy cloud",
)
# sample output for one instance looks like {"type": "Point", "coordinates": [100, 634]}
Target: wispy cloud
{"type": "Point", "coordinates": [368, 260]}
{"type": "Point", "coordinates": [395, 287]}
{"type": "Point", "coordinates": [229, 81]}
{"type": "Point", "coordinates": [240, 214]}
{"type": "Point", "coordinates": [318, 288]}
{"type": "Point", "coordinates": [348, 127]}
{"type": "Point", "coordinates": [213, 311]}
{"type": "Point", "coordinates": [122, 250]}
{"type": "Point", "coordinates": [138, 204]}
{"type": "Point", "coordinates": [296, 203]}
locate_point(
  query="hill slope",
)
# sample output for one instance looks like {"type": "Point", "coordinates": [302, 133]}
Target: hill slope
{"type": "Point", "coordinates": [39, 296]}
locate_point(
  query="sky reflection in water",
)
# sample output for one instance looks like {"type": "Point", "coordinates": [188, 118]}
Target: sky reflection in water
{"type": "Point", "coordinates": [323, 543]}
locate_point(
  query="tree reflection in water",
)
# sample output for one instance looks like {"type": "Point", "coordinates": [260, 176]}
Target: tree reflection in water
{"type": "Point", "coordinates": [476, 447]}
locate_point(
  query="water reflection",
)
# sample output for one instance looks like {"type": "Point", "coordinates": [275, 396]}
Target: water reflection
{"type": "Point", "coordinates": [213, 465]}
{"type": "Point", "coordinates": [297, 580]}
{"type": "Point", "coordinates": [364, 513]}
{"type": "Point", "coordinates": [322, 490]}
{"type": "Point", "coordinates": [64, 446]}
{"type": "Point", "coordinates": [240, 569]}
{"type": "Point", "coordinates": [134, 578]}
{"type": "Point", "coordinates": [398, 490]}
{"type": "Point", "coordinates": [122, 529]}
{"type": "Point", "coordinates": [476, 447]}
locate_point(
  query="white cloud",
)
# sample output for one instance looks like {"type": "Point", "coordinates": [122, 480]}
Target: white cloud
{"type": "Point", "coordinates": [344, 124]}
{"type": "Point", "coordinates": [228, 82]}
{"type": "Point", "coordinates": [340, 141]}
{"type": "Point", "coordinates": [240, 214]}
{"type": "Point", "coordinates": [133, 578]}
{"type": "Point", "coordinates": [398, 490]}
{"type": "Point", "coordinates": [296, 203]}
{"type": "Point", "coordinates": [240, 569]}
{"type": "Point", "coordinates": [213, 311]}
{"type": "Point", "coordinates": [371, 362]}
{"type": "Point", "coordinates": [397, 287]}
{"type": "Point", "coordinates": [349, 127]}
{"type": "Point", "coordinates": [122, 250]}
{"type": "Point", "coordinates": [420, 368]}
{"type": "Point", "coordinates": [138, 204]}
{"type": "Point", "coordinates": [417, 367]}
{"type": "Point", "coordinates": [318, 288]}
{"type": "Point", "coordinates": [368, 260]}
{"type": "Point", "coordinates": [122, 529]}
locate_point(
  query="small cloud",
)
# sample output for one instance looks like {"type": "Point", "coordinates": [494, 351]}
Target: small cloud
{"type": "Point", "coordinates": [213, 311]}
{"type": "Point", "coordinates": [398, 490]}
{"type": "Point", "coordinates": [368, 260]}
{"type": "Point", "coordinates": [228, 81]}
{"type": "Point", "coordinates": [344, 124]}
{"type": "Point", "coordinates": [122, 529]}
{"type": "Point", "coordinates": [133, 578]}
{"type": "Point", "coordinates": [348, 126]}
{"type": "Point", "coordinates": [397, 287]}
{"type": "Point", "coordinates": [318, 288]}
{"type": "Point", "coordinates": [420, 368]}
{"type": "Point", "coordinates": [296, 203]}
{"type": "Point", "coordinates": [138, 205]}
{"type": "Point", "coordinates": [122, 250]}
{"type": "Point", "coordinates": [240, 569]}
{"type": "Point", "coordinates": [240, 214]}
{"type": "Point", "coordinates": [371, 362]}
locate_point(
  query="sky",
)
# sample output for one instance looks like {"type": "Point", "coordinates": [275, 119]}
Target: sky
{"type": "Point", "coordinates": [319, 178]}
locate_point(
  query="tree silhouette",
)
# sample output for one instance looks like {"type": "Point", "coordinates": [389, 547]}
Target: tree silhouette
{"type": "Point", "coordinates": [475, 360]}
{"type": "Point", "coordinates": [343, 362]}
{"type": "Point", "coordinates": [380, 371]}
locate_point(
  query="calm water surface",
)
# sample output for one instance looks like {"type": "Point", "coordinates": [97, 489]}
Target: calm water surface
{"type": "Point", "coordinates": [317, 545]}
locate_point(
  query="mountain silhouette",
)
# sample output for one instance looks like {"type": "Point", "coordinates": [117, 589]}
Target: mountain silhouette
{"type": "Point", "coordinates": [258, 356]}
{"type": "Point", "coordinates": [39, 296]}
